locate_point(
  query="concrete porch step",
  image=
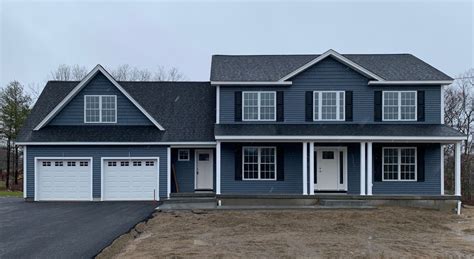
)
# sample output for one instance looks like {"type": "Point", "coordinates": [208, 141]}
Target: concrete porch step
{"type": "Point", "coordinates": [344, 203]}
{"type": "Point", "coordinates": [192, 195]}
{"type": "Point", "coordinates": [189, 200]}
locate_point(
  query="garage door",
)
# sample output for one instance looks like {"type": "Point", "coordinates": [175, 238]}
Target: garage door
{"type": "Point", "coordinates": [130, 179]}
{"type": "Point", "coordinates": [63, 179]}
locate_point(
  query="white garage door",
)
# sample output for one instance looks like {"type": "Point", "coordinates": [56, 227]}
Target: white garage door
{"type": "Point", "coordinates": [63, 179]}
{"type": "Point", "coordinates": [130, 179]}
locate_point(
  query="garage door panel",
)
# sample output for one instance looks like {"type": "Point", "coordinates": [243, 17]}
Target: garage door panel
{"type": "Point", "coordinates": [130, 179]}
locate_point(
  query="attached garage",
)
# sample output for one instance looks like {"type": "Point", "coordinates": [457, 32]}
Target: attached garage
{"type": "Point", "coordinates": [130, 179]}
{"type": "Point", "coordinates": [58, 179]}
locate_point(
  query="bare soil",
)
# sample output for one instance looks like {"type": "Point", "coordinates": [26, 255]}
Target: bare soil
{"type": "Point", "coordinates": [388, 232]}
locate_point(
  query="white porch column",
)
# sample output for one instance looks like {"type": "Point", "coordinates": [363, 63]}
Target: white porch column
{"type": "Point", "coordinates": [305, 168]}
{"type": "Point", "coordinates": [369, 168]}
{"type": "Point", "coordinates": [442, 169]}
{"type": "Point", "coordinates": [457, 169]}
{"type": "Point", "coordinates": [362, 168]}
{"type": "Point", "coordinates": [311, 168]}
{"type": "Point", "coordinates": [218, 167]}
{"type": "Point", "coordinates": [168, 171]}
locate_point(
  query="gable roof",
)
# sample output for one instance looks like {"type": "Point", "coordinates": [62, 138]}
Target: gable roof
{"type": "Point", "coordinates": [80, 86]}
{"type": "Point", "coordinates": [272, 68]}
{"type": "Point", "coordinates": [186, 111]}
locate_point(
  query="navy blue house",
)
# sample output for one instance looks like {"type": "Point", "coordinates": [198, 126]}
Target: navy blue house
{"type": "Point", "coordinates": [363, 125]}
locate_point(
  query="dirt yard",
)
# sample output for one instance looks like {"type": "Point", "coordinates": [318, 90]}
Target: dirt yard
{"type": "Point", "coordinates": [384, 232]}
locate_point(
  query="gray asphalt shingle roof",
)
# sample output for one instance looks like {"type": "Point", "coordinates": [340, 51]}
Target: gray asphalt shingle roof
{"type": "Point", "coordinates": [395, 130]}
{"type": "Point", "coordinates": [391, 67]}
{"type": "Point", "coordinates": [185, 109]}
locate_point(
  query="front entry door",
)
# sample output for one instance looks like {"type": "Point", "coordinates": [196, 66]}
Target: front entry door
{"type": "Point", "coordinates": [330, 171]}
{"type": "Point", "coordinates": [204, 170]}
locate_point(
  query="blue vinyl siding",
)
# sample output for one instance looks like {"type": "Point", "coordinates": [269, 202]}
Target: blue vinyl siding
{"type": "Point", "coordinates": [330, 74]}
{"type": "Point", "coordinates": [185, 170]}
{"type": "Point", "coordinates": [127, 112]}
{"type": "Point", "coordinates": [97, 152]}
{"type": "Point", "coordinates": [293, 179]}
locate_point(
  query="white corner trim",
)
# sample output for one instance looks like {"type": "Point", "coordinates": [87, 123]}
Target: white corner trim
{"type": "Point", "coordinates": [337, 56]}
{"type": "Point", "coordinates": [442, 103]}
{"type": "Point", "coordinates": [81, 85]}
{"type": "Point", "coordinates": [236, 83]}
{"type": "Point", "coordinates": [433, 82]}
{"type": "Point", "coordinates": [218, 103]}
{"type": "Point", "coordinates": [25, 173]}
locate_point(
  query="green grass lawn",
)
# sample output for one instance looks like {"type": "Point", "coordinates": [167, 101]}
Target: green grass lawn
{"type": "Point", "coordinates": [6, 193]}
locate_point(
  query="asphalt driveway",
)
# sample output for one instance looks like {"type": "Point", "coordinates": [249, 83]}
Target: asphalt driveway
{"type": "Point", "coordinates": [64, 229]}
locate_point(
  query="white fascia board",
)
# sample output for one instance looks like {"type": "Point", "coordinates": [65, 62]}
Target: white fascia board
{"type": "Point", "coordinates": [337, 56]}
{"type": "Point", "coordinates": [204, 143]}
{"type": "Point", "coordinates": [236, 83]}
{"type": "Point", "coordinates": [81, 85]}
{"type": "Point", "coordinates": [340, 138]}
{"type": "Point", "coordinates": [433, 82]}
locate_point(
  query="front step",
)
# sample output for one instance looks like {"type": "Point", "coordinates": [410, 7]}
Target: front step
{"type": "Point", "coordinates": [192, 194]}
{"type": "Point", "coordinates": [344, 203]}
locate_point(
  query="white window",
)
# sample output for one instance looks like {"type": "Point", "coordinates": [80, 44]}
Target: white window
{"type": "Point", "coordinates": [183, 155]}
{"type": "Point", "coordinates": [259, 163]}
{"type": "Point", "coordinates": [124, 163]}
{"type": "Point", "coordinates": [45, 163]}
{"type": "Point", "coordinates": [112, 163]}
{"type": "Point", "coordinates": [399, 105]}
{"type": "Point", "coordinates": [149, 163]}
{"type": "Point", "coordinates": [84, 163]}
{"type": "Point", "coordinates": [399, 164]}
{"type": "Point", "coordinates": [329, 105]}
{"type": "Point", "coordinates": [58, 163]}
{"type": "Point", "coordinates": [100, 109]}
{"type": "Point", "coordinates": [137, 163]}
{"type": "Point", "coordinates": [259, 106]}
{"type": "Point", "coordinates": [71, 163]}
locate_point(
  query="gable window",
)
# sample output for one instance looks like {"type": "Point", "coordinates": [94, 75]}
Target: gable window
{"type": "Point", "coordinates": [329, 106]}
{"type": "Point", "coordinates": [259, 163]}
{"type": "Point", "coordinates": [100, 109]}
{"type": "Point", "coordinates": [399, 105]}
{"type": "Point", "coordinates": [183, 155]}
{"type": "Point", "coordinates": [399, 164]}
{"type": "Point", "coordinates": [259, 106]}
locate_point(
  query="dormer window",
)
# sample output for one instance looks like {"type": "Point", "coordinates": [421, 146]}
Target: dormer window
{"type": "Point", "coordinates": [100, 109]}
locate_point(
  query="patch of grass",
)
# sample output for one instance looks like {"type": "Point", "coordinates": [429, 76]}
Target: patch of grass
{"type": "Point", "coordinates": [7, 193]}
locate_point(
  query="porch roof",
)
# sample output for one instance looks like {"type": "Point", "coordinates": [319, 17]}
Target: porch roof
{"type": "Point", "coordinates": [371, 131]}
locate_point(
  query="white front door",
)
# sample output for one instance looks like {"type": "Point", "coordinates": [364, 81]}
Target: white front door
{"type": "Point", "coordinates": [204, 170]}
{"type": "Point", "coordinates": [330, 169]}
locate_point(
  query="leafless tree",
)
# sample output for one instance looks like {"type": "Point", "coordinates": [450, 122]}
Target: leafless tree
{"type": "Point", "coordinates": [127, 73]}
{"type": "Point", "coordinates": [69, 73]}
{"type": "Point", "coordinates": [172, 74]}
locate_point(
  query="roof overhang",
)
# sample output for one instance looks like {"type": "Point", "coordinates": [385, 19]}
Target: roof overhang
{"type": "Point", "coordinates": [71, 143]}
{"type": "Point", "coordinates": [438, 139]}
{"type": "Point", "coordinates": [81, 85]}
{"type": "Point", "coordinates": [427, 82]}
{"type": "Point", "coordinates": [249, 83]}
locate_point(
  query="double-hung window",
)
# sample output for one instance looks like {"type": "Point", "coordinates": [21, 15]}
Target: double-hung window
{"type": "Point", "coordinates": [399, 164]}
{"type": "Point", "coordinates": [399, 105]}
{"type": "Point", "coordinates": [259, 163]}
{"type": "Point", "coordinates": [259, 106]}
{"type": "Point", "coordinates": [100, 109]}
{"type": "Point", "coordinates": [328, 105]}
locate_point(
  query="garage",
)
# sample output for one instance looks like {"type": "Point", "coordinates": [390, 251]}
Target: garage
{"type": "Point", "coordinates": [130, 179]}
{"type": "Point", "coordinates": [63, 179]}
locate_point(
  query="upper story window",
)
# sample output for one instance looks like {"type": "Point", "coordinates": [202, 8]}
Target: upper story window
{"type": "Point", "coordinates": [259, 106]}
{"type": "Point", "coordinates": [399, 105]}
{"type": "Point", "coordinates": [328, 106]}
{"type": "Point", "coordinates": [100, 109]}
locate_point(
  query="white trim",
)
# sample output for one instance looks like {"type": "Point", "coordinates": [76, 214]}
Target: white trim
{"type": "Point", "coordinates": [442, 103]}
{"type": "Point", "coordinates": [399, 106]}
{"type": "Point", "coordinates": [224, 83]}
{"type": "Point", "coordinates": [72, 143]}
{"type": "Point", "coordinates": [338, 108]}
{"type": "Point", "coordinates": [311, 168]}
{"type": "Point", "coordinates": [81, 85]}
{"type": "Point", "coordinates": [399, 165]}
{"type": "Point", "coordinates": [157, 193]}
{"type": "Point", "coordinates": [259, 148]}
{"type": "Point", "coordinates": [305, 168]}
{"type": "Point", "coordinates": [442, 169]}
{"type": "Point", "coordinates": [369, 168]}
{"type": "Point", "coordinates": [62, 158]}
{"type": "Point", "coordinates": [184, 150]}
{"type": "Point", "coordinates": [218, 103]}
{"type": "Point", "coordinates": [457, 169]}
{"type": "Point", "coordinates": [332, 138]}
{"type": "Point", "coordinates": [259, 94]}
{"type": "Point", "coordinates": [218, 168]}
{"type": "Point", "coordinates": [168, 172]}
{"type": "Point", "coordinates": [336, 150]}
{"type": "Point", "coordinates": [362, 168]}
{"type": "Point", "coordinates": [100, 109]}
{"type": "Point", "coordinates": [196, 160]}
{"type": "Point", "coordinates": [338, 57]}
{"type": "Point", "coordinates": [421, 82]}
{"type": "Point", "coordinates": [25, 173]}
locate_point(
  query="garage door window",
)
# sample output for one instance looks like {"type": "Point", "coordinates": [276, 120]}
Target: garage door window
{"type": "Point", "coordinates": [71, 163]}
{"type": "Point", "coordinates": [58, 163]}
{"type": "Point", "coordinates": [83, 163]}
{"type": "Point", "coordinates": [137, 163]}
{"type": "Point", "coordinates": [112, 163]}
{"type": "Point", "coordinates": [45, 163]}
{"type": "Point", "coordinates": [149, 163]}
{"type": "Point", "coordinates": [124, 163]}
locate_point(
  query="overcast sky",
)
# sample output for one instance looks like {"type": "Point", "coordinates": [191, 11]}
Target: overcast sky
{"type": "Point", "coordinates": [36, 37]}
